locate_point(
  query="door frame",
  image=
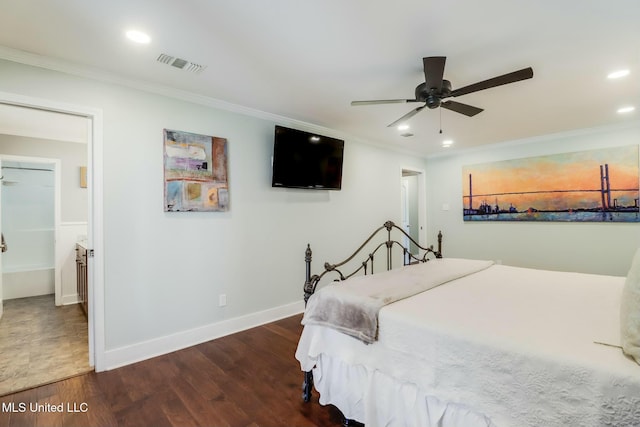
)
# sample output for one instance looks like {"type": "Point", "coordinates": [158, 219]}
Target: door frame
{"type": "Point", "coordinates": [95, 228]}
{"type": "Point", "coordinates": [422, 202]}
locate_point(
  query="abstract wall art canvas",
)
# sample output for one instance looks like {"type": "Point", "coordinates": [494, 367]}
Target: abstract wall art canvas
{"type": "Point", "coordinates": [587, 186]}
{"type": "Point", "coordinates": [195, 172]}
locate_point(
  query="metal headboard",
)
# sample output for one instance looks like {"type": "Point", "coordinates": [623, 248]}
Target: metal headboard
{"type": "Point", "coordinates": [312, 281]}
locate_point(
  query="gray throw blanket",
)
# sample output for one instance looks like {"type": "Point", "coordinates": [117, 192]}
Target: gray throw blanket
{"type": "Point", "coordinates": [352, 306]}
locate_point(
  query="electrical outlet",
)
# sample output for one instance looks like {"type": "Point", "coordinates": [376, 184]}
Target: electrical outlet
{"type": "Point", "coordinates": [222, 300]}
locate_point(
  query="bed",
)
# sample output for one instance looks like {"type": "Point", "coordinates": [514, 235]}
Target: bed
{"type": "Point", "coordinates": [481, 344]}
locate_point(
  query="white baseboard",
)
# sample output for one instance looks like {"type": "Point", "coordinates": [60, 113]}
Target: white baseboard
{"type": "Point", "coordinates": [147, 349]}
{"type": "Point", "coordinates": [70, 299]}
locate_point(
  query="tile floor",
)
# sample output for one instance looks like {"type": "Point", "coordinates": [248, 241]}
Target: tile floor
{"type": "Point", "coordinates": [41, 343]}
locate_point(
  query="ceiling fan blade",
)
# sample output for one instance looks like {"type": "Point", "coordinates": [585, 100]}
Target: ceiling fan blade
{"type": "Point", "coordinates": [434, 71]}
{"type": "Point", "coordinates": [458, 107]}
{"type": "Point", "coordinates": [406, 116]}
{"type": "Point", "coordinates": [383, 101]}
{"type": "Point", "coordinates": [516, 76]}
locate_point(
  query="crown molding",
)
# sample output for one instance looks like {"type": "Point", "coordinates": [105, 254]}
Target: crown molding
{"type": "Point", "coordinates": [78, 70]}
{"type": "Point", "coordinates": [541, 138]}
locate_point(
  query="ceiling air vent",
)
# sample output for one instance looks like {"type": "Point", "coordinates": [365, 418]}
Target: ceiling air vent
{"type": "Point", "coordinates": [180, 63]}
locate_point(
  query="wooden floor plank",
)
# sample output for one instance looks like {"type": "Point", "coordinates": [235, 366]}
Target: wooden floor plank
{"type": "Point", "coordinates": [177, 413]}
{"type": "Point", "coordinates": [248, 379]}
{"type": "Point", "coordinates": [48, 397]}
{"type": "Point", "coordinates": [202, 410]}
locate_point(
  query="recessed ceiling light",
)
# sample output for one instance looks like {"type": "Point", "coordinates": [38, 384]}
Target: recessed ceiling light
{"type": "Point", "coordinates": [403, 127]}
{"type": "Point", "coordinates": [447, 143]}
{"type": "Point", "coordinates": [626, 109]}
{"type": "Point", "coordinates": [617, 74]}
{"type": "Point", "coordinates": [138, 36]}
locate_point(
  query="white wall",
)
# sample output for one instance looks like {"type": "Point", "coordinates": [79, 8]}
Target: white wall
{"type": "Point", "coordinates": [165, 271]}
{"type": "Point", "coordinates": [586, 247]}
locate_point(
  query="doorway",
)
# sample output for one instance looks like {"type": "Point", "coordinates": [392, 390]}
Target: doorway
{"type": "Point", "coordinates": [413, 208]}
{"type": "Point", "coordinates": [94, 236]}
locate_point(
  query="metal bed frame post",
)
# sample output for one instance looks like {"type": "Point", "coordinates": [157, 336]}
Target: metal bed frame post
{"type": "Point", "coordinates": [308, 291]}
{"type": "Point", "coordinates": [307, 384]}
{"type": "Point", "coordinates": [389, 226]}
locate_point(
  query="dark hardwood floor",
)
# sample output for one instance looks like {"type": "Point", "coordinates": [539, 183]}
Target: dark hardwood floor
{"type": "Point", "coordinates": [247, 379]}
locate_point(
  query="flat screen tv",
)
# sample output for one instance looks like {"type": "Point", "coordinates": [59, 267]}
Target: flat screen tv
{"type": "Point", "coordinates": [306, 160]}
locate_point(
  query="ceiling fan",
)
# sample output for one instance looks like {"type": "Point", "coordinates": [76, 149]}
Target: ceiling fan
{"type": "Point", "coordinates": [435, 90]}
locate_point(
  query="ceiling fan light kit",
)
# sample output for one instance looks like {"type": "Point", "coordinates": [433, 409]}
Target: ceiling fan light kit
{"type": "Point", "coordinates": [435, 90]}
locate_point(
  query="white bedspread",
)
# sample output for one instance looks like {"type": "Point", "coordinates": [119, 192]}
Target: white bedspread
{"type": "Point", "coordinates": [505, 346]}
{"type": "Point", "coordinates": [352, 306]}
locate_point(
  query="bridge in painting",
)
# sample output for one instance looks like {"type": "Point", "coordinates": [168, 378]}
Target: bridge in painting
{"type": "Point", "coordinates": [607, 203]}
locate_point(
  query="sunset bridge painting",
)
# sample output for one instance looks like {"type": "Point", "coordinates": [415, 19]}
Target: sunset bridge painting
{"type": "Point", "coordinates": [594, 186]}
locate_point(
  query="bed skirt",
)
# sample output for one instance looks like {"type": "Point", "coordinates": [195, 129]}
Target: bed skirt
{"type": "Point", "coordinates": [377, 399]}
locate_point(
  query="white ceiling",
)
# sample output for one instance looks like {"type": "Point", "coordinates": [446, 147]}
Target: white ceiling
{"type": "Point", "coordinates": [307, 60]}
{"type": "Point", "coordinates": [46, 125]}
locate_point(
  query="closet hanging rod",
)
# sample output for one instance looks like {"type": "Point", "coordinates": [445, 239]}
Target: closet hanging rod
{"type": "Point", "coordinates": [28, 169]}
